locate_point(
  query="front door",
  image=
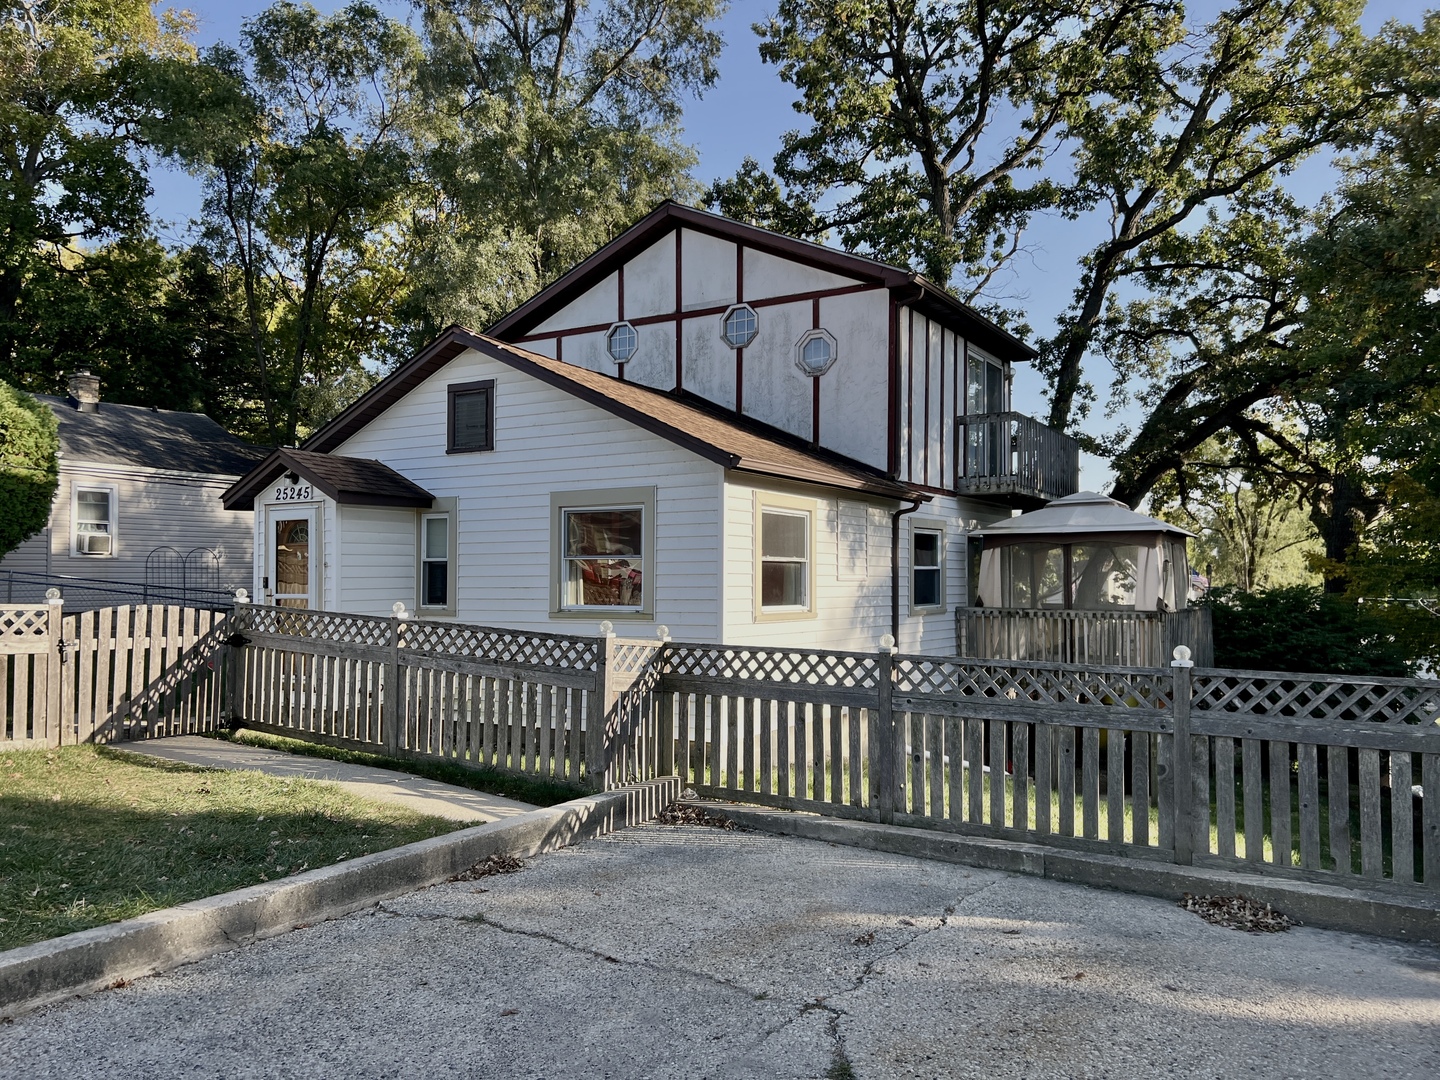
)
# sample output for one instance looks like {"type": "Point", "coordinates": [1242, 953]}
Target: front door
{"type": "Point", "coordinates": [292, 569]}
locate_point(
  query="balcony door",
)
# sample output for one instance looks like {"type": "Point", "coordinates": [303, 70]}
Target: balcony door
{"type": "Point", "coordinates": [987, 443]}
{"type": "Point", "coordinates": [291, 573]}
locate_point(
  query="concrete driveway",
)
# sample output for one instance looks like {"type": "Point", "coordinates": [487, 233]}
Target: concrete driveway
{"type": "Point", "coordinates": [692, 952]}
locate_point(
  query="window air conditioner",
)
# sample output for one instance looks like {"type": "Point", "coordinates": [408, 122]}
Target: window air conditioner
{"type": "Point", "coordinates": [95, 543]}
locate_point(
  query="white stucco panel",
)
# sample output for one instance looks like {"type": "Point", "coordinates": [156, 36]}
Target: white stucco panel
{"type": "Point", "coordinates": [709, 363]}
{"type": "Point", "coordinates": [768, 275]}
{"type": "Point", "coordinates": [707, 270]}
{"type": "Point", "coordinates": [775, 390]}
{"type": "Point", "coordinates": [650, 280]}
{"type": "Point", "coordinates": [854, 394]}
{"type": "Point", "coordinates": [596, 306]}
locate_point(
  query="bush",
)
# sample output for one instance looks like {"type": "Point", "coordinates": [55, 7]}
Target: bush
{"type": "Point", "coordinates": [29, 470]}
{"type": "Point", "coordinates": [1301, 628]}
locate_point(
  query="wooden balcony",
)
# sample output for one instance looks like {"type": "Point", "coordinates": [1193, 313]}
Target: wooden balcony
{"type": "Point", "coordinates": [1124, 638]}
{"type": "Point", "coordinates": [1015, 458]}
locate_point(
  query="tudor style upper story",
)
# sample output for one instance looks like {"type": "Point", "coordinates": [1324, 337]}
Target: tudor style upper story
{"type": "Point", "coordinates": [850, 355]}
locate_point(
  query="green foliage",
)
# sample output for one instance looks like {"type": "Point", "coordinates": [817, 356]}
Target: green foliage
{"type": "Point", "coordinates": [29, 469]}
{"type": "Point", "coordinates": [1301, 628]}
{"type": "Point", "coordinates": [73, 92]}
{"type": "Point", "coordinates": [552, 125]}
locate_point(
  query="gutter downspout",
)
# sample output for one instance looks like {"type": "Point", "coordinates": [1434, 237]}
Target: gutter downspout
{"type": "Point", "coordinates": [895, 563]}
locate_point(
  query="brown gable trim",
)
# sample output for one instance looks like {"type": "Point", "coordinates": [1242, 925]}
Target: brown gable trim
{"type": "Point", "coordinates": [672, 215]}
{"type": "Point", "coordinates": [242, 494]}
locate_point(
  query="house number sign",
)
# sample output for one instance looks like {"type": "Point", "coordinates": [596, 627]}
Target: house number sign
{"type": "Point", "coordinates": [298, 493]}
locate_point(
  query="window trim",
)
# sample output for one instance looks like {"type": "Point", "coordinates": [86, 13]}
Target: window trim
{"type": "Point", "coordinates": [817, 334]}
{"type": "Point", "coordinates": [454, 390]}
{"type": "Point", "coordinates": [603, 499]}
{"type": "Point", "coordinates": [112, 519]}
{"type": "Point", "coordinates": [447, 508]}
{"type": "Point", "coordinates": [769, 500]}
{"type": "Point", "coordinates": [936, 526]}
{"type": "Point", "coordinates": [611, 331]}
{"type": "Point", "coordinates": [724, 324]}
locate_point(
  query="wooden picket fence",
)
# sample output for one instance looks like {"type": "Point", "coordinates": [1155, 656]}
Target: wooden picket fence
{"type": "Point", "coordinates": [1327, 778]}
{"type": "Point", "coordinates": [108, 674]}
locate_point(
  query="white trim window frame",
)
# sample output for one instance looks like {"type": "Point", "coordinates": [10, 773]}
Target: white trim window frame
{"type": "Point", "coordinates": [602, 553]}
{"type": "Point", "coordinates": [784, 562]}
{"type": "Point", "coordinates": [927, 567]}
{"type": "Point", "coordinates": [436, 532]}
{"type": "Point", "coordinates": [86, 543]}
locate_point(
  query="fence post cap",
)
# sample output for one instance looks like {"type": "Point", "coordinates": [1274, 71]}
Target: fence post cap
{"type": "Point", "coordinates": [52, 596]}
{"type": "Point", "coordinates": [1182, 657]}
{"type": "Point", "coordinates": [242, 596]}
{"type": "Point", "coordinates": [607, 628]}
{"type": "Point", "coordinates": [398, 610]}
{"type": "Point", "coordinates": [887, 643]}
{"type": "Point", "coordinates": [662, 632]}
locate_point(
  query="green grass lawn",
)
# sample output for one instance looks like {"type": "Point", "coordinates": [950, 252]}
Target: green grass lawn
{"type": "Point", "coordinates": [89, 836]}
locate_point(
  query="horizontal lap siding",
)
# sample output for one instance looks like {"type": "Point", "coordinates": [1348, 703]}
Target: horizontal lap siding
{"type": "Point", "coordinates": [545, 441]}
{"type": "Point", "coordinates": [153, 510]}
{"type": "Point", "coordinates": [849, 614]}
{"type": "Point", "coordinates": [377, 559]}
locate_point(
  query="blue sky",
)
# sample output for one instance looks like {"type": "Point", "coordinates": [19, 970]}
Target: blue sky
{"type": "Point", "coordinates": [746, 113]}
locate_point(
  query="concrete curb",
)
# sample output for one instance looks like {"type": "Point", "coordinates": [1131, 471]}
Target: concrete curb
{"type": "Point", "coordinates": [90, 960]}
{"type": "Point", "coordinates": [1330, 906]}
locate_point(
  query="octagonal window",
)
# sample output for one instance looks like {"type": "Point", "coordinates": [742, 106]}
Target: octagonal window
{"type": "Point", "coordinates": [815, 352]}
{"type": "Point", "coordinates": [621, 342]}
{"type": "Point", "coordinates": [739, 325]}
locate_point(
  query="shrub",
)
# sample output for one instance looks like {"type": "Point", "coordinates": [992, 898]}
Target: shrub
{"type": "Point", "coordinates": [1301, 628]}
{"type": "Point", "coordinates": [29, 470]}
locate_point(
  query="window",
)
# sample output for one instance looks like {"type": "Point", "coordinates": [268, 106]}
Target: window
{"type": "Point", "coordinates": [621, 342]}
{"type": "Point", "coordinates": [739, 325]}
{"type": "Point", "coordinates": [435, 559]}
{"type": "Point", "coordinates": [784, 557]}
{"type": "Point", "coordinates": [93, 518]}
{"type": "Point", "coordinates": [471, 423]}
{"type": "Point", "coordinates": [927, 569]}
{"type": "Point", "coordinates": [815, 352]}
{"type": "Point", "coordinates": [602, 547]}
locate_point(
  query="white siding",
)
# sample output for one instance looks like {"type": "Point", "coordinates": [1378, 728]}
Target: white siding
{"type": "Point", "coordinates": [547, 440]}
{"type": "Point", "coordinates": [153, 509]}
{"type": "Point", "coordinates": [849, 614]}
{"type": "Point", "coordinates": [376, 558]}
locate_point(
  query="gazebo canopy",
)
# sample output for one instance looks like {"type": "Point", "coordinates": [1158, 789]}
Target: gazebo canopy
{"type": "Point", "coordinates": [1085, 553]}
{"type": "Point", "coordinates": [1085, 513]}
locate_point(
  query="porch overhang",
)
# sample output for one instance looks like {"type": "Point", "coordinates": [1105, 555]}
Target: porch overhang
{"type": "Point", "coordinates": [347, 480]}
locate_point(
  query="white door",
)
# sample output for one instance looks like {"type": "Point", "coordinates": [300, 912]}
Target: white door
{"type": "Point", "coordinates": [292, 558]}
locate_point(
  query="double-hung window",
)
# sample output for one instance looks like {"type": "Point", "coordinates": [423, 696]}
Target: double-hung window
{"type": "Point", "coordinates": [602, 545]}
{"type": "Point", "coordinates": [470, 423]}
{"type": "Point", "coordinates": [785, 557]}
{"type": "Point", "coordinates": [435, 567]}
{"type": "Point", "coordinates": [927, 568]}
{"type": "Point", "coordinates": [93, 517]}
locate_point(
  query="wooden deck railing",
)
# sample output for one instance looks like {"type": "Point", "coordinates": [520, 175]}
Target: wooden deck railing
{"type": "Point", "coordinates": [1011, 454]}
{"type": "Point", "coordinates": [1124, 638]}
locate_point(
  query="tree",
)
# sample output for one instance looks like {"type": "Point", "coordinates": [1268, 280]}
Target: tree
{"type": "Point", "coordinates": [1301, 628]}
{"type": "Point", "coordinates": [29, 469]}
{"type": "Point", "coordinates": [73, 93]}
{"type": "Point", "coordinates": [305, 144]}
{"type": "Point", "coordinates": [555, 124]}
{"type": "Point", "coordinates": [905, 99]}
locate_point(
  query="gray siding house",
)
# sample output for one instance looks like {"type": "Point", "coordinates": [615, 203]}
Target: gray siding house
{"type": "Point", "coordinates": [138, 507]}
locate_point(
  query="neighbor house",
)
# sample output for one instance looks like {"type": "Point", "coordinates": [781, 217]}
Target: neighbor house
{"type": "Point", "coordinates": [137, 515]}
{"type": "Point", "coordinates": [707, 426]}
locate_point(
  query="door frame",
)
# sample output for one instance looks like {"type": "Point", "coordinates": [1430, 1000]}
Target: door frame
{"type": "Point", "coordinates": [293, 512]}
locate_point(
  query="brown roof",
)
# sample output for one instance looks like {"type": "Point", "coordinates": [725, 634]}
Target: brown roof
{"type": "Point", "coordinates": [733, 444]}
{"type": "Point", "coordinates": [355, 481]}
{"type": "Point", "coordinates": [910, 287]}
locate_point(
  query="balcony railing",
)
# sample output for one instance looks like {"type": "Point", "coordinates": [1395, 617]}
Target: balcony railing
{"type": "Point", "coordinates": [1010, 455]}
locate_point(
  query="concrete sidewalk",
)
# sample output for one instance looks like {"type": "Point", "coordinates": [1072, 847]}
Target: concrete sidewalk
{"type": "Point", "coordinates": [381, 785]}
{"type": "Point", "coordinates": [691, 952]}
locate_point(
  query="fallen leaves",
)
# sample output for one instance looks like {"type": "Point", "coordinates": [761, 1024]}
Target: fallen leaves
{"type": "Point", "coordinates": [681, 814]}
{"type": "Point", "coordinates": [1238, 913]}
{"type": "Point", "coordinates": [492, 864]}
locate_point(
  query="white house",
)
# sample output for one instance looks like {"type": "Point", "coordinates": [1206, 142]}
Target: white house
{"type": "Point", "coordinates": [138, 506]}
{"type": "Point", "coordinates": [706, 425]}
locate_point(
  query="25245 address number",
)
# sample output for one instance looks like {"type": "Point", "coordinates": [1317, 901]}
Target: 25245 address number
{"type": "Point", "coordinates": [298, 493]}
